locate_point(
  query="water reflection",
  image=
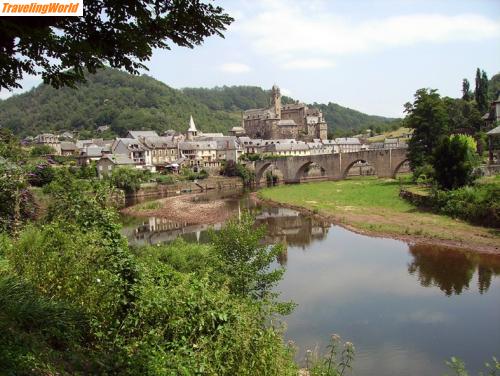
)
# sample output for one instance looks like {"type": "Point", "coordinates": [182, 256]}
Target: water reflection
{"type": "Point", "coordinates": [283, 225]}
{"type": "Point", "coordinates": [452, 270]}
{"type": "Point", "coordinates": [406, 308]}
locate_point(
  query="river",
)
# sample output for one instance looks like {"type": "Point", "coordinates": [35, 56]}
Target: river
{"type": "Point", "coordinates": [407, 308]}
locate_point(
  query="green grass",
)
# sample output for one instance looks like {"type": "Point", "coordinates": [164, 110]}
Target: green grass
{"type": "Point", "coordinates": [390, 134]}
{"type": "Point", "coordinates": [374, 205]}
{"type": "Point", "coordinates": [351, 195]}
{"type": "Point", "coordinates": [150, 205]}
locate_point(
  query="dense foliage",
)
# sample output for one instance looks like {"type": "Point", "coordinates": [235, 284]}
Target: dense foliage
{"type": "Point", "coordinates": [428, 118]}
{"type": "Point", "coordinates": [122, 35]}
{"type": "Point", "coordinates": [479, 204]}
{"type": "Point", "coordinates": [123, 101]}
{"type": "Point", "coordinates": [231, 168]}
{"type": "Point", "coordinates": [75, 298]}
{"type": "Point", "coordinates": [454, 159]}
{"type": "Point", "coordinates": [109, 97]}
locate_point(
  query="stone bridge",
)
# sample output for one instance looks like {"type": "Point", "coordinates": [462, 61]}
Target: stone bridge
{"type": "Point", "coordinates": [386, 163]}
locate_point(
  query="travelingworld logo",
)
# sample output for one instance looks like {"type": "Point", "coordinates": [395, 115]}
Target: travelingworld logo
{"type": "Point", "coordinates": [41, 8]}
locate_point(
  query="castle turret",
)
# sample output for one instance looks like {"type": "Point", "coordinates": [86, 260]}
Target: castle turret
{"type": "Point", "coordinates": [192, 131]}
{"type": "Point", "coordinates": [276, 100]}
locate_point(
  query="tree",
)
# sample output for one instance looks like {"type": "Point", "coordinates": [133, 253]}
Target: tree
{"type": "Point", "coordinates": [481, 92]}
{"type": "Point", "coordinates": [454, 160]}
{"type": "Point", "coordinates": [463, 116]}
{"type": "Point", "coordinates": [115, 33]}
{"type": "Point", "coordinates": [245, 259]}
{"type": "Point", "coordinates": [427, 117]}
{"type": "Point", "coordinates": [466, 93]}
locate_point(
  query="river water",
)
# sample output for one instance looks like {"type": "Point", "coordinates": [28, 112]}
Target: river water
{"type": "Point", "coordinates": [407, 308]}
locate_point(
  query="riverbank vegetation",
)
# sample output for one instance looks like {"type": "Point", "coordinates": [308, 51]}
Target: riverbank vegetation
{"type": "Point", "coordinates": [76, 299]}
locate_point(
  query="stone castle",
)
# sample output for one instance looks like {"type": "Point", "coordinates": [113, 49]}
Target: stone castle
{"type": "Point", "coordinates": [289, 121]}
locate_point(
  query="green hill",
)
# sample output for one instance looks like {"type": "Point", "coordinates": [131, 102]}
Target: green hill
{"type": "Point", "coordinates": [123, 101]}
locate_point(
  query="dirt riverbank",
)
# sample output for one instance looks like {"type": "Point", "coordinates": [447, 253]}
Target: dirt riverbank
{"type": "Point", "coordinates": [190, 208]}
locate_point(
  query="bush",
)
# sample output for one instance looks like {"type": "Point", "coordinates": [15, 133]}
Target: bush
{"type": "Point", "coordinates": [191, 175]}
{"type": "Point", "coordinates": [479, 204]}
{"type": "Point", "coordinates": [17, 204]}
{"type": "Point", "coordinates": [454, 160]}
{"type": "Point", "coordinates": [41, 150]}
{"type": "Point", "coordinates": [164, 179]}
{"type": "Point", "coordinates": [41, 175]}
{"type": "Point", "coordinates": [231, 169]}
{"type": "Point", "coordinates": [128, 178]}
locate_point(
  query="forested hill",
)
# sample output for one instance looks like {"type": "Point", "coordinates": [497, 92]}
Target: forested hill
{"type": "Point", "coordinates": [124, 102]}
{"type": "Point", "coordinates": [236, 98]}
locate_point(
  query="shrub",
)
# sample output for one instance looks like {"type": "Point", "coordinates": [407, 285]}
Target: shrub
{"type": "Point", "coordinates": [479, 204]}
{"type": "Point", "coordinates": [17, 204]}
{"type": "Point", "coordinates": [41, 175]}
{"type": "Point", "coordinates": [231, 168]}
{"type": "Point", "coordinates": [164, 179]}
{"type": "Point", "coordinates": [454, 160]}
{"type": "Point", "coordinates": [129, 179]}
{"type": "Point", "coordinates": [40, 150]}
{"type": "Point", "coordinates": [245, 259]}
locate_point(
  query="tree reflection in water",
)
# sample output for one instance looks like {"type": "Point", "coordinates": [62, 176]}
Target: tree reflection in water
{"type": "Point", "coordinates": [450, 269]}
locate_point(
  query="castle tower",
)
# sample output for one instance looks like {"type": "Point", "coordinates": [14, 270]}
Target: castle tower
{"type": "Point", "coordinates": [192, 131]}
{"type": "Point", "coordinates": [276, 100]}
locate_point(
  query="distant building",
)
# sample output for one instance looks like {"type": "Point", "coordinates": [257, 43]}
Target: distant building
{"type": "Point", "coordinates": [141, 134]}
{"type": "Point", "coordinates": [135, 150]}
{"type": "Point", "coordinates": [68, 148]}
{"type": "Point", "coordinates": [108, 162]}
{"type": "Point", "coordinates": [49, 139]}
{"type": "Point", "coordinates": [492, 117]}
{"type": "Point", "coordinates": [348, 144]}
{"type": "Point", "coordinates": [296, 121]}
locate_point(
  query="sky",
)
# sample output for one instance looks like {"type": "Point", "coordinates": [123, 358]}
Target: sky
{"type": "Point", "coordinates": [367, 55]}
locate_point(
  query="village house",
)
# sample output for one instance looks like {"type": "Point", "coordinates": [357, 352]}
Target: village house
{"type": "Point", "coordinates": [49, 139]}
{"type": "Point", "coordinates": [287, 149]}
{"type": "Point", "coordinates": [135, 150]}
{"type": "Point", "coordinates": [164, 150]}
{"type": "Point", "coordinates": [200, 153]}
{"type": "Point", "coordinates": [68, 148]}
{"type": "Point", "coordinates": [348, 144]}
{"type": "Point", "coordinates": [108, 162]}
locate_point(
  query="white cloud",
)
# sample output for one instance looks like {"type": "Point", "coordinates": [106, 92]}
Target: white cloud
{"type": "Point", "coordinates": [235, 68]}
{"type": "Point", "coordinates": [313, 63]}
{"type": "Point", "coordinates": [290, 30]}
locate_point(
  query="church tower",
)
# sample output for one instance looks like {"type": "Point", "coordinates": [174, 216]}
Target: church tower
{"type": "Point", "coordinates": [276, 100]}
{"type": "Point", "coordinates": [192, 131]}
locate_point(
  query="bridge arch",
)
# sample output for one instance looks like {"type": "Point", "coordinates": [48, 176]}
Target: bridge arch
{"type": "Point", "coordinates": [345, 172]}
{"type": "Point", "coordinates": [259, 173]}
{"type": "Point", "coordinates": [302, 168]}
{"type": "Point", "coordinates": [398, 166]}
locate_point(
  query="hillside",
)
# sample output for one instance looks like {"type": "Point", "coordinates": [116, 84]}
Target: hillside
{"type": "Point", "coordinates": [124, 101]}
{"type": "Point", "coordinates": [236, 98]}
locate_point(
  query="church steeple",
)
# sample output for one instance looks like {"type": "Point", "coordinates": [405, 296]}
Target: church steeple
{"type": "Point", "coordinates": [276, 100]}
{"type": "Point", "coordinates": [192, 132]}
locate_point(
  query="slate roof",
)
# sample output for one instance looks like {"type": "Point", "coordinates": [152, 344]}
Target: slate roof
{"type": "Point", "coordinates": [119, 159]}
{"type": "Point", "coordinates": [494, 131]}
{"type": "Point", "coordinates": [137, 134]}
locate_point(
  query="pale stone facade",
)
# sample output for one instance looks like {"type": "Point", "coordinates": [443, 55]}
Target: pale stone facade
{"type": "Point", "coordinates": [296, 121]}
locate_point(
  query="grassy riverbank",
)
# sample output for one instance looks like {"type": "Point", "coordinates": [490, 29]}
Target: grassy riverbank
{"type": "Point", "coordinates": [374, 206]}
